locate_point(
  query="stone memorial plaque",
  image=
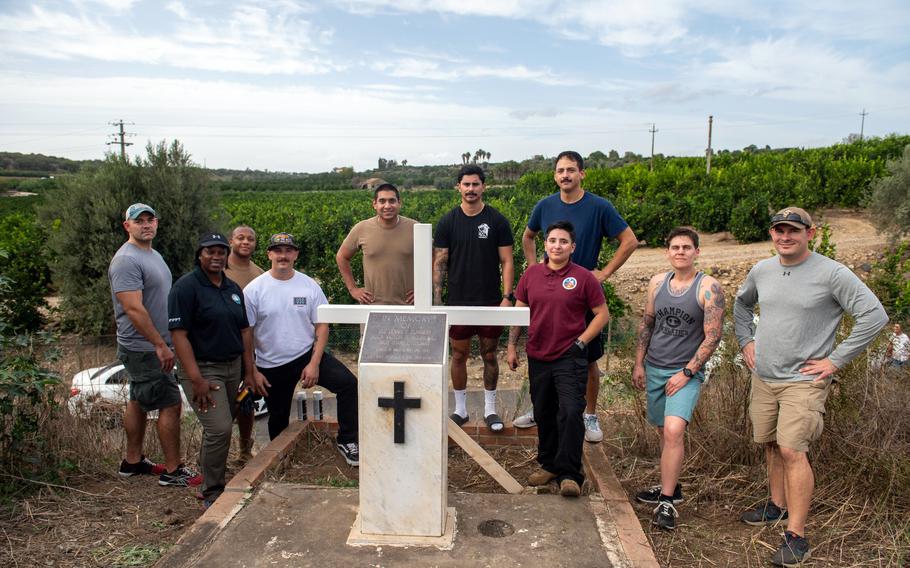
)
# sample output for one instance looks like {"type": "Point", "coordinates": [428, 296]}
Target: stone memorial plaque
{"type": "Point", "coordinates": [403, 337]}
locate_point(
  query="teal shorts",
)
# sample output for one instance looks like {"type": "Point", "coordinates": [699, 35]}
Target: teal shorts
{"type": "Point", "coordinates": [681, 404]}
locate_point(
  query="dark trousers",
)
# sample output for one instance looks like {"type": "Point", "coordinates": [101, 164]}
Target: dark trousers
{"type": "Point", "coordinates": [333, 375]}
{"type": "Point", "coordinates": [558, 395]}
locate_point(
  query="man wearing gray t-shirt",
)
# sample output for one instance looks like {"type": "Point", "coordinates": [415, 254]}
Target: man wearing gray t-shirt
{"type": "Point", "coordinates": [791, 352]}
{"type": "Point", "coordinates": [140, 281]}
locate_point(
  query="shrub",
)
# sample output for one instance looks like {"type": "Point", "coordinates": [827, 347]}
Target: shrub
{"type": "Point", "coordinates": [26, 267]}
{"type": "Point", "coordinates": [890, 280]}
{"type": "Point", "coordinates": [749, 219]}
{"type": "Point", "coordinates": [890, 203]}
{"type": "Point", "coordinates": [86, 220]}
{"type": "Point", "coordinates": [821, 242]}
{"type": "Point", "coordinates": [26, 400]}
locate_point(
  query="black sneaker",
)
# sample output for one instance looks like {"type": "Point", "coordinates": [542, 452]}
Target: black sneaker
{"type": "Point", "coordinates": [665, 516]}
{"type": "Point", "coordinates": [652, 495]}
{"type": "Point", "coordinates": [793, 552]}
{"type": "Point", "coordinates": [351, 453]}
{"type": "Point", "coordinates": [766, 514]}
{"type": "Point", "coordinates": [144, 466]}
{"type": "Point", "coordinates": [180, 477]}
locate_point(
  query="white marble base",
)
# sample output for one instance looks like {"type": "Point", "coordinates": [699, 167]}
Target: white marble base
{"type": "Point", "coordinates": [446, 541]}
{"type": "Point", "coordinates": [403, 487]}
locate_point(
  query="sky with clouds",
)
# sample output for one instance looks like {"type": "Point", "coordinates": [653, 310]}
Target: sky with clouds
{"type": "Point", "coordinates": [308, 86]}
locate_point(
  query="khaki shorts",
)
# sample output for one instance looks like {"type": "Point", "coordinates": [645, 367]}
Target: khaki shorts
{"type": "Point", "coordinates": [789, 413]}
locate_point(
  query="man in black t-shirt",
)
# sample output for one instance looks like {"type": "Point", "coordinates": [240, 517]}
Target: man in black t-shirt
{"type": "Point", "coordinates": [472, 243]}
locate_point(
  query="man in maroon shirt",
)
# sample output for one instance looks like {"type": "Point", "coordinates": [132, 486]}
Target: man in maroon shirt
{"type": "Point", "coordinates": [559, 292]}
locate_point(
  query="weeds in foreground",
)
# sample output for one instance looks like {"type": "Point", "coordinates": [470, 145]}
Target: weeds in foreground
{"type": "Point", "coordinates": [861, 506]}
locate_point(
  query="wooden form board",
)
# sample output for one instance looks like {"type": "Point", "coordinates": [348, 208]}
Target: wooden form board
{"type": "Point", "coordinates": [483, 459]}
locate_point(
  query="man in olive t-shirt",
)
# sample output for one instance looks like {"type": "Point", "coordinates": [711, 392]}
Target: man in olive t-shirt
{"type": "Point", "coordinates": [387, 243]}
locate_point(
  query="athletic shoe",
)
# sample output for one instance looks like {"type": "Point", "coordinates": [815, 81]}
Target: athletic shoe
{"type": "Point", "coordinates": [766, 514]}
{"type": "Point", "coordinates": [652, 495]}
{"type": "Point", "coordinates": [665, 516]}
{"type": "Point", "coordinates": [593, 432]}
{"type": "Point", "coordinates": [793, 552]}
{"type": "Point", "coordinates": [351, 453]}
{"type": "Point", "coordinates": [144, 466]}
{"type": "Point", "coordinates": [540, 477]}
{"type": "Point", "coordinates": [525, 420]}
{"type": "Point", "coordinates": [180, 477]}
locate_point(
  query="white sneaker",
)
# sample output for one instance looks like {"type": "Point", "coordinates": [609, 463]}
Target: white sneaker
{"type": "Point", "coordinates": [593, 432]}
{"type": "Point", "coordinates": [525, 420]}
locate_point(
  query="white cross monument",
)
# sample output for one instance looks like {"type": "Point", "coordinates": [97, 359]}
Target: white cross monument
{"type": "Point", "coordinates": [403, 409]}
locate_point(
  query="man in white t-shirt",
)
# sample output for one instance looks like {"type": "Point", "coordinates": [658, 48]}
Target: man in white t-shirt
{"type": "Point", "coordinates": [290, 347]}
{"type": "Point", "coordinates": [898, 347]}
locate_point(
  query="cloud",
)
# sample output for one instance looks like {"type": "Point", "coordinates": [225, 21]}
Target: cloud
{"type": "Point", "coordinates": [410, 67]}
{"type": "Point", "coordinates": [246, 39]}
{"type": "Point", "coordinates": [792, 69]}
{"type": "Point", "coordinates": [548, 112]}
{"type": "Point", "coordinates": [628, 24]}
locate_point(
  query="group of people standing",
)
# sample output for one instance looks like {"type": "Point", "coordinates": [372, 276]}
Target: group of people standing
{"type": "Point", "coordinates": [235, 326]}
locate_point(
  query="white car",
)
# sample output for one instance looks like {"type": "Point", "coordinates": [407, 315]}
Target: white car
{"type": "Point", "coordinates": [105, 390]}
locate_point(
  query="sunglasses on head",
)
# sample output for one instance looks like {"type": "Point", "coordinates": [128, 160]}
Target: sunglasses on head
{"type": "Point", "coordinates": [795, 217]}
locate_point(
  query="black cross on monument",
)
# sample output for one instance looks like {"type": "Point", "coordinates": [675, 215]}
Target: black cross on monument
{"type": "Point", "coordinates": [399, 403]}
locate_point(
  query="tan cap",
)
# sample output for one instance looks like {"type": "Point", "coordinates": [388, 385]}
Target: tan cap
{"type": "Point", "coordinates": [792, 216]}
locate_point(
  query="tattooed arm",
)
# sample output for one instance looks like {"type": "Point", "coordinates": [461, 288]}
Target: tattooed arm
{"type": "Point", "coordinates": [711, 295]}
{"type": "Point", "coordinates": [440, 264]}
{"type": "Point", "coordinates": [645, 329]}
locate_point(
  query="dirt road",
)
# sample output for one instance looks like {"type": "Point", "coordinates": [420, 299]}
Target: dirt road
{"type": "Point", "coordinates": [852, 232]}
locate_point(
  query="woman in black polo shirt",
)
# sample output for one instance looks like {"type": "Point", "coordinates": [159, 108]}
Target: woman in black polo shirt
{"type": "Point", "coordinates": [211, 335]}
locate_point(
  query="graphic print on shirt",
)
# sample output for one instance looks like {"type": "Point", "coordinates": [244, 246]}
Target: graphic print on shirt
{"type": "Point", "coordinates": [569, 283]}
{"type": "Point", "coordinates": [299, 300]}
{"type": "Point", "coordinates": [483, 231]}
{"type": "Point", "coordinates": [670, 318]}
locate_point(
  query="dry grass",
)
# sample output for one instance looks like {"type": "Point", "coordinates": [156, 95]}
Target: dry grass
{"type": "Point", "coordinates": [860, 512]}
{"type": "Point", "coordinates": [316, 461]}
{"type": "Point", "coordinates": [81, 513]}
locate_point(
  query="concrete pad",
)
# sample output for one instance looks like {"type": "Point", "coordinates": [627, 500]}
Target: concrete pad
{"type": "Point", "coordinates": [286, 525]}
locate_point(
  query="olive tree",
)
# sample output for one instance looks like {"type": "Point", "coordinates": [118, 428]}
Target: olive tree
{"type": "Point", "coordinates": [890, 203]}
{"type": "Point", "coordinates": [85, 217]}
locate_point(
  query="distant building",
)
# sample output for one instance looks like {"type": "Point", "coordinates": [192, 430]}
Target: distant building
{"type": "Point", "coordinates": [372, 183]}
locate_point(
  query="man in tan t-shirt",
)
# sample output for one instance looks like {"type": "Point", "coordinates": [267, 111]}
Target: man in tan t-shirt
{"type": "Point", "coordinates": [242, 270]}
{"type": "Point", "coordinates": [387, 242]}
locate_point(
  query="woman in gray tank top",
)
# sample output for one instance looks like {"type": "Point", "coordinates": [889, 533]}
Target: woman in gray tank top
{"type": "Point", "coordinates": [678, 325]}
{"type": "Point", "coordinates": [679, 331]}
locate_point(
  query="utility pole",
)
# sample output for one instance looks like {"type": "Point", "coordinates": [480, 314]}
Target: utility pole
{"type": "Point", "coordinates": [862, 124]}
{"type": "Point", "coordinates": [652, 131]}
{"type": "Point", "coordinates": [709, 152]}
{"type": "Point", "coordinates": [122, 136]}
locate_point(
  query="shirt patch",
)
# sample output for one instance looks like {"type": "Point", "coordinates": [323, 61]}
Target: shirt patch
{"type": "Point", "coordinates": [569, 283]}
{"type": "Point", "coordinates": [175, 320]}
{"type": "Point", "coordinates": [236, 298]}
{"type": "Point", "coordinates": [299, 300]}
{"type": "Point", "coordinates": [483, 231]}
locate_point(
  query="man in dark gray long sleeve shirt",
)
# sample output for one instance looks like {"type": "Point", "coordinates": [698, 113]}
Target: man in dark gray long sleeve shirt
{"type": "Point", "coordinates": [803, 296]}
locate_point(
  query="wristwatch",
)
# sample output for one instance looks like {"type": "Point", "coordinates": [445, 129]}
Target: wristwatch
{"type": "Point", "coordinates": [688, 372]}
{"type": "Point", "coordinates": [580, 344]}
{"type": "Point", "coordinates": [510, 296]}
